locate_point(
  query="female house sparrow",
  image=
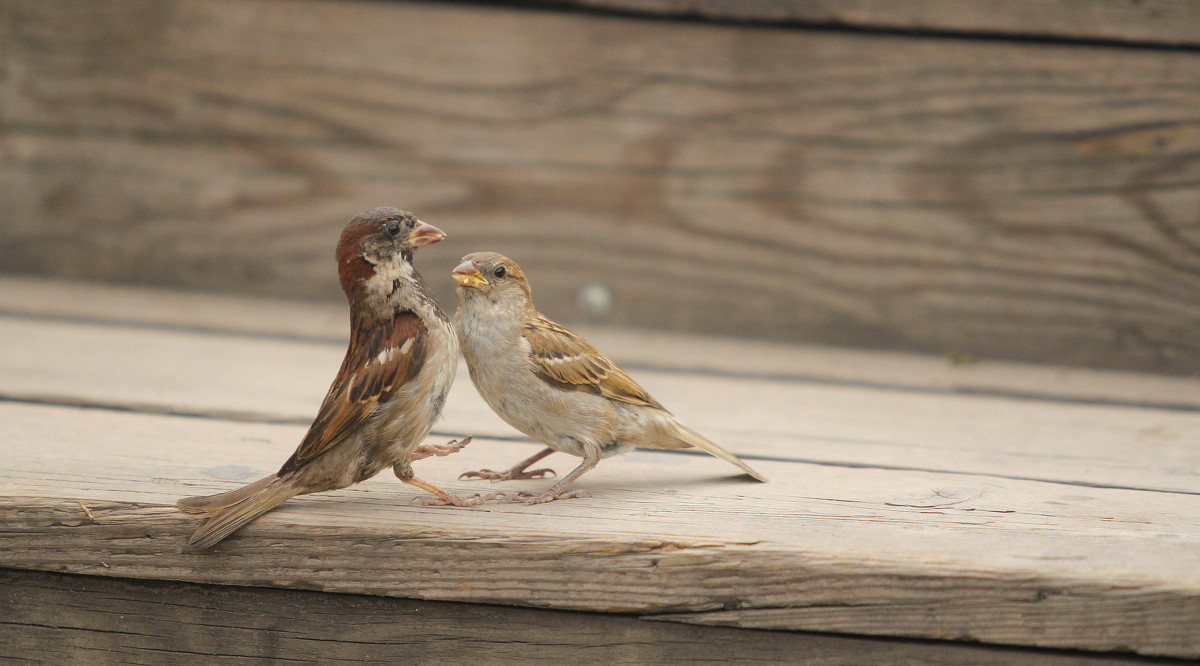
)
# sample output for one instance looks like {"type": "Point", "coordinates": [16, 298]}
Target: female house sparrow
{"type": "Point", "coordinates": [388, 392]}
{"type": "Point", "coordinates": [551, 384]}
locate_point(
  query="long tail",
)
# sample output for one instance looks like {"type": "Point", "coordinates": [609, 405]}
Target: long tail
{"type": "Point", "coordinates": [228, 512]}
{"type": "Point", "coordinates": [699, 441]}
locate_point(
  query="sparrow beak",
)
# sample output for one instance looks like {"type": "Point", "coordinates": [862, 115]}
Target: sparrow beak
{"type": "Point", "coordinates": [466, 275]}
{"type": "Point", "coordinates": [425, 234]}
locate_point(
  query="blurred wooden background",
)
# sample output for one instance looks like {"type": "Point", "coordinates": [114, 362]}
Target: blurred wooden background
{"type": "Point", "coordinates": [1013, 180]}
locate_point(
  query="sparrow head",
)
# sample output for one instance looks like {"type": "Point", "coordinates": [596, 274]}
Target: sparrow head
{"type": "Point", "coordinates": [493, 277]}
{"type": "Point", "coordinates": [377, 238]}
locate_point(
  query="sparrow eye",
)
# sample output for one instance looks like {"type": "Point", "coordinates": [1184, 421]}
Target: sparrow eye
{"type": "Point", "coordinates": [393, 229]}
{"type": "Point", "coordinates": [499, 272]}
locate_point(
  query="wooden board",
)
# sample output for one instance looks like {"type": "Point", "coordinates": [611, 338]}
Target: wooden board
{"type": "Point", "coordinates": [254, 378]}
{"type": "Point", "coordinates": [1142, 22]}
{"type": "Point", "coordinates": [58, 618]}
{"type": "Point", "coordinates": [891, 511]}
{"type": "Point", "coordinates": [989, 198]}
{"type": "Point", "coordinates": [70, 301]}
{"type": "Point", "coordinates": [891, 552]}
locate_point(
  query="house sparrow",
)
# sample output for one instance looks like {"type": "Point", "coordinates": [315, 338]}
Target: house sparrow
{"type": "Point", "coordinates": [551, 384]}
{"type": "Point", "coordinates": [388, 392]}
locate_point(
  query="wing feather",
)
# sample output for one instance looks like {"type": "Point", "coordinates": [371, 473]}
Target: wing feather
{"type": "Point", "coordinates": [381, 357]}
{"type": "Point", "coordinates": [570, 363]}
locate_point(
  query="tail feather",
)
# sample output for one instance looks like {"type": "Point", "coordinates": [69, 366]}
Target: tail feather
{"type": "Point", "coordinates": [211, 503]}
{"type": "Point", "coordinates": [699, 441]}
{"type": "Point", "coordinates": [233, 510]}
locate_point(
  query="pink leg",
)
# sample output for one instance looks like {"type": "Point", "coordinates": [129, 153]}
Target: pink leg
{"type": "Point", "coordinates": [442, 497]}
{"type": "Point", "coordinates": [556, 491]}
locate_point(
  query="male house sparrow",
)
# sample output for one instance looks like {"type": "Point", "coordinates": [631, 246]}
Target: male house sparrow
{"type": "Point", "coordinates": [551, 384]}
{"type": "Point", "coordinates": [388, 392]}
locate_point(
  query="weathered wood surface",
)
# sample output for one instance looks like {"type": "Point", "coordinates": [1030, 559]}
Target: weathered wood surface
{"type": "Point", "coordinates": [259, 379]}
{"type": "Point", "coordinates": [81, 302]}
{"type": "Point", "coordinates": [998, 199]}
{"type": "Point", "coordinates": [1140, 21]}
{"type": "Point", "coordinates": [833, 548]}
{"type": "Point", "coordinates": [55, 618]}
{"type": "Point", "coordinates": [890, 511]}
{"type": "Point", "coordinates": [954, 555]}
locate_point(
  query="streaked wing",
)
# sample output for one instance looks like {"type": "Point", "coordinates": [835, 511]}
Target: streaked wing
{"type": "Point", "coordinates": [570, 363]}
{"type": "Point", "coordinates": [381, 357]}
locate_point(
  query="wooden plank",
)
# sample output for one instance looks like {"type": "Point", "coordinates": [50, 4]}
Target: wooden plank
{"type": "Point", "coordinates": [1143, 21]}
{"type": "Point", "coordinates": [263, 379]}
{"type": "Point", "coordinates": [1031, 202]}
{"type": "Point", "coordinates": [70, 300]}
{"type": "Point", "coordinates": [201, 311]}
{"type": "Point", "coordinates": [958, 557]}
{"type": "Point", "coordinates": [58, 618]}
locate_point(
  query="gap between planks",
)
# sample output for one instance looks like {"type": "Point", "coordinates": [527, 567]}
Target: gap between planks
{"type": "Point", "coordinates": [1120, 23]}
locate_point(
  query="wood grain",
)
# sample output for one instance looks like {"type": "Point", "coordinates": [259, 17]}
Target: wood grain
{"type": "Point", "coordinates": [891, 511]}
{"type": "Point", "coordinates": [253, 378]}
{"type": "Point", "coordinates": [960, 557]}
{"type": "Point", "coordinates": [71, 301]}
{"type": "Point", "coordinates": [1142, 22]}
{"type": "Point", "coordinates": [996, 199]}
{"type": "Point", "coordinates": [59, 618]}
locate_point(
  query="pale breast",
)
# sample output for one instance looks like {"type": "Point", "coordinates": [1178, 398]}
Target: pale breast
{"type": "Point", "coordinates": [506, 380]}
{"type": "Point", "coordinates": [403, 422]}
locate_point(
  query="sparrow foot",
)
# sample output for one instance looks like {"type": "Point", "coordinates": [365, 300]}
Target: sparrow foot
{"type": "Point", "coordinates": [509, 475]}
{"type": "Point", "coordinates": [429, 450]}
{"type": "Point", "coordinates": [548, 496]}
{"type": "Point", "coordinates": [516, 472]}
{"type": "Point", "coordinates": [444, 498]}
{"type": "Point", "coordinates": [450, 499]}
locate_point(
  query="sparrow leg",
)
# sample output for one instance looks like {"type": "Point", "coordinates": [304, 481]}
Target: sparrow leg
{"type": "Point", "coordinates": [442, 497]}
{"type": "Point", "coordinates": [517, 471]}
{"type": "Point", "coordinates": [556, 491]}
{"type": "Point", "coordinates": [427, 450]}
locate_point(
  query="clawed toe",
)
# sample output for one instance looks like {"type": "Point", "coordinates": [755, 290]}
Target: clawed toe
{"type": "Point", "coordinates": [492, 475]}
{"type": "Point", "coordinates": [476, 500]}
{"type": "Point", "coordinates": [427, 501]}
{"type": "Point", "coordinates": [428, 450]}
{"type": "Point", "coordinates": [542, 498]}
{"type": "Point", "coordinates": [456, 445]}
{"type": "Point", "coordinates": [455, 500]}
{"type": "Point", "coordinates": [481, 474]}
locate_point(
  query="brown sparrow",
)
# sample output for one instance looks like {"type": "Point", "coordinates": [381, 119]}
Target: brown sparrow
{"type": "Point", "coordinates": [388, 392]}
{"type": "Point", "coordinates": [551, 384]}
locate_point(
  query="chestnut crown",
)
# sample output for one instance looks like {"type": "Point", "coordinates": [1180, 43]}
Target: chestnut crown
{"type": "Point", "coordinates": [378, 237]}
